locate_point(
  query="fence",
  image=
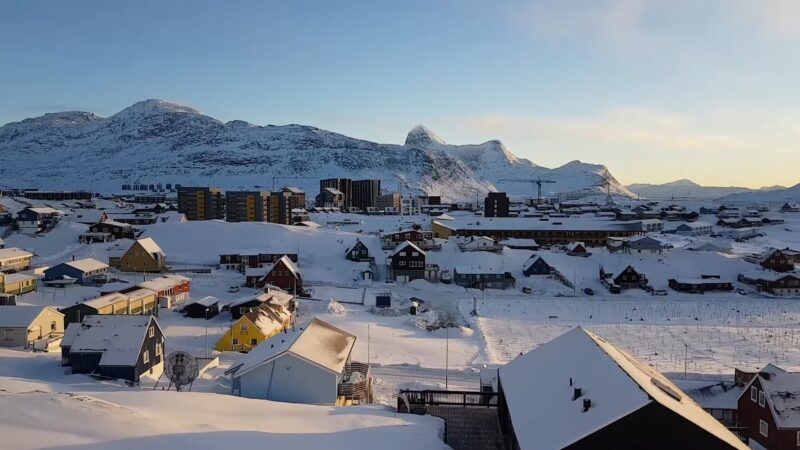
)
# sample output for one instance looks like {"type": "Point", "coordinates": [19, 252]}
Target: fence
{"type": "Point", "coordinates": [408, 401]}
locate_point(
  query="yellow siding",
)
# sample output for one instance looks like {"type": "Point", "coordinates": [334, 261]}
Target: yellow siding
{"type": "Point", "coordinates": [441, 231]}
{"type": "Point", "coordinates": [137, 259]}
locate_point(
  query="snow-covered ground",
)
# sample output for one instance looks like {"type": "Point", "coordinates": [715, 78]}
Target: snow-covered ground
{"type": "Point", "coordinates": [707, 335]}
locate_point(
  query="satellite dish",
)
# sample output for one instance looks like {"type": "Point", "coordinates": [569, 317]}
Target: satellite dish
{"type": "Point", "coordinates": [181, 369]}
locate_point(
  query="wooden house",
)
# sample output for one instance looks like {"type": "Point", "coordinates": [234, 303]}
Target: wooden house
{"type": "Point", "coordinates": [253, 260]}
{"type": "Point", "coordinates": [700, 285]}
{"type": "Point", "coordinates": [17, 283]}
{"type": "Point", "coordinates": [170, 289]}
{"type": "Point", "coordinates": [482, 277]}
{"type": "Point", "coordinates": [790, 207]}
{"type": "Point", "coordinates": [625, 276]}
{"type": "Point", "coordinates": [144, 255]}
{"type": "Point", "coordinates": [358, 252]}
{"type": "Point", "coordinates": [21, 326]}
{"type": "Point", "coordinates": [85, 271]}
{"type": "Point", "coordinates": [204, 308]}
{"type": "Point", "coordinates": [775, 283]}
{"type": "Point", "coordinates": [693, 229]}
{"type": "Point", "coordinates": [769, 407]}
{"type": "Point", "coordinates": [133, 300]}
{"type": "Point", "coordinates": [406, 263]}
{"type": "Point", "coordinates": [37, 220]}
{"type": "Point", "coordinates": [113, 230]}
{"type": "Point", "coordinates": [420, 238]}
{"type": "Point", "coordinates": [90, 216]}
{"type": "Point", "coordinates": [577, 249]}
{"type": "Point", "coordinates": [307, 364]}
{"type": "Point", "coordinates": [284, 275]}
{"type": "Point", "coordinates": [13, 259]}
{"type": "Point", "coordinates": [255, 326]}
{"type": "Point", "coordinates": [536, 265]}
{"type": "Point", "coordinates": [580, 392]}
{"type": "Point", "coordinates": [780, 260]}
{"type": "Point", "coordinates": [120, 347]}
{"type": "Point", "coordinates": [241, 306]}
{"type": "Point", "coordinates": [479, 244]}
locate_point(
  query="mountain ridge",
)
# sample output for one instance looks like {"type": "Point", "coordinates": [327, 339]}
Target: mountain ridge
{"type": "Point", "coordinates": [156, 141]}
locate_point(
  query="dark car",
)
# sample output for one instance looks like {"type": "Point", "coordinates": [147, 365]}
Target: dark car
{"type": "Point", "coordinates": [588, 291]}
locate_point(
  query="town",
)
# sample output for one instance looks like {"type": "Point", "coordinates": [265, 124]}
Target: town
{"type": "Point", "coordinates": [687, 309]}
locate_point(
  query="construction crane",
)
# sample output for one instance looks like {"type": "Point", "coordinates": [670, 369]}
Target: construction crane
{"type": "Point", "coordinates": [533, 181]}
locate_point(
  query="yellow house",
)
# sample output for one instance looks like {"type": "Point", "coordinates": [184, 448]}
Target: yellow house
{"type": "Point", "coordinates": [16, 283]}
{"type": "Point", "coordinates": [12, 259]}
{"type": "Point", "coordinates": [254, 327]}
{"type": "Point", "coordinates": [144, 255]}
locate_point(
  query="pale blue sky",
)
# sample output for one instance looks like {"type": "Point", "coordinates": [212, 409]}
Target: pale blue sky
{"type": "Point", "coordinates": [655, 89]}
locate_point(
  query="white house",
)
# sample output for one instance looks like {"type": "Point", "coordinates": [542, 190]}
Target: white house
{"type": "Point", "coordinates": [21, 326]}
{"type": "Point", "coordinates": [305, 365]}
{"type": "Point", "coordinates": [693, 229]}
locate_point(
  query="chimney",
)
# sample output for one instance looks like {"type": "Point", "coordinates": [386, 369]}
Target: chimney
{"type": "Point", "coordinates": [576, 393]}
{"type": "Point", "coordinates": [587, 403]}
{"type": "Point", "coordinates": [570, 381]}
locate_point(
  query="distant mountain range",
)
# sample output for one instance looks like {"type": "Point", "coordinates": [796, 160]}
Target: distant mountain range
{"type": "Point", "coordinates": [689, 189]}
{"type": "Point", "coordinates": [155, 141]}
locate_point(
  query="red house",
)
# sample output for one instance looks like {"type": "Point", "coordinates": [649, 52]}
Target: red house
{"type": "Point", "coordinates": [780, 260]}
{"type": "Point", "coordinates": [285, 275]}
{"type": "Point", "coordinates": [420, 238]}
{"type": "Point", "coordinates": [170, 288]}
{"type": "Point", "coordinates": [770, 408]}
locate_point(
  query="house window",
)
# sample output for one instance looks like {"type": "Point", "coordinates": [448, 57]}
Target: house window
{"type": "Point", "coordinates": [798, 438]}
{"type": "Point", "coordinates": [414, 253]}
{"type": "Point", "coordinates": [763, 428]}
{"type": "Point", "coordinates": [152, 332]}
{"type": "Point", "coordinates": [401, 263]}
{"type": "Point", "coordinates": [253, 342]}
{"type": "Point", "coordinates": [761, 398]}
{"type": "Point", "coordinates": [158, 350]}
{"type": "Point", "coordinates": [53, 326]}
{"type": "Point", "coordinates": [235, 342]}
{"type": "Point", "coordinates": [244, 328]}
{"type": "Point", "coordinates": [146, 357]}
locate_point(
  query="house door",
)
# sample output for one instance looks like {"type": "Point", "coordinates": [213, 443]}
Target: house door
{"type": "Point", "coordinates": [402, 278]}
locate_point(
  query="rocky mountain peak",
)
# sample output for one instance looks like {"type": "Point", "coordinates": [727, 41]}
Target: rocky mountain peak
{"type": "Point", "coordinates": [423, 136]}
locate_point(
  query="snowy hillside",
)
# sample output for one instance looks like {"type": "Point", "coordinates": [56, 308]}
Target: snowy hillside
{"type": "Point", "coordinates": [154, 141]}
{"type": "Point", "coordinates": [688, 188]}
{"type": "Point", "coordinates": [791, 194]}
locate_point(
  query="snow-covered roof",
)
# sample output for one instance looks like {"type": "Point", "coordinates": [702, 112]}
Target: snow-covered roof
{"type": "Point", "coordinates": [712, 394]}
{"type": "Point", "coordinates": [20, 316]}
{"type": "Point", "coordinates": [44, 210]}
{"type": "Point", "coordinates": [14, 252]}
{"type": "Point", "coordinates": [768, 275]}
{"type": "Point", "coordinates": [164, 282]}
{"type": "Point", "coordinates": [105, 300]}
{"type": "Point", "coordinates": [572, 246]}
{"type": "Point", "coordinates": [87, 265]}
{"type": "Point", "coordinates": [540, 396]}
{"type": "Point", "coordinates": [520, 242]}
{"type": "Point", "coordinates": [12, 278]}
{"type": "Point", "coordinates": [150, 246]}
{"type": "Point", "coordinates": [479, 270]}
{"type": "Point", "coordinates": [783, 394]}
{"type": "Point", "coordinates": [694, 225]}
{"type": "Point", "coordinates": [268, 318]}
{"type": "Point", "coordinates": [289, 265]}
{"type": "Point", "coordinates": [333, 191]}
{"type": "Point", "coordinates": [701, 280]}
{"type": "Point", "coordinates": [316, 341]}
{"type": "Point", "coordinates": [257, 271]}
{"type": "Point", "coordinates": [116, 224]}
{"type": "Point", "coordinates": [118, 337]}
{"type": "Point", "coordinates": [403, 246]}
{"type": "Point", "coordinates": [205, 301]}
{"type": "Point", "coordinates": [140, 293]}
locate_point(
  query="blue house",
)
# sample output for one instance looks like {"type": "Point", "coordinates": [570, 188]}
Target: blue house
{"type": "Point", "coordinates": [85, 271]}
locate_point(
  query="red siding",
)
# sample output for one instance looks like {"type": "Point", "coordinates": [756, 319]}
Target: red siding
{"type": "Point", "coordinates": [750, 413]}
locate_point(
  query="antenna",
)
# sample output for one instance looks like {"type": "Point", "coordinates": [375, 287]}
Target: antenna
{"type": "Point", "coordinates": [181, 368]}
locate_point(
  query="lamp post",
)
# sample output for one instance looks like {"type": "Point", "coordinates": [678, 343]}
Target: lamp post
{"type": "Point", "coordinates": [206, 313]}
{"type": "Point", "coordinates": [446, 357]}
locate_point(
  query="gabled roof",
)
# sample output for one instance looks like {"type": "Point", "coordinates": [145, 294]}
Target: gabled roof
{"type": "Point", "coordinates": [532, 260]}
{"type": "Point", "coordinates": [114, 223]}
{"type": "Point", "coordinates": [20, 316]}
{"type": "Point", "coordinates": [44, 210]}
{"type": "Point", "coordinates": [164, 282]}
{"type": "Point", "coordinates": [14, 252]}
{"type": "Point", "coordinates": [87, 265]}
{"type": "Point", "coordinates": [289, 265]}
{"type": "Point", "coordinates": [403, 246]}
{"type": "Point", "coordinates": [317, 342]}
{"type": "Point", "coordinates": [782, 389]}
{"type": "Point", "coordinates": [150, 246]}
{"type": "Point", "coordinates": [268, 318]}
{"type": "Point", "coordinates": [206, 301]}
{"type": "Point", "coordinates": [539, 395]}
{"type": "Point", "coordinates": [118, 337]}
{"type": "Point", "coordinates": [574, 246]}
{"type": "Point", "coordinates": [105, 300]}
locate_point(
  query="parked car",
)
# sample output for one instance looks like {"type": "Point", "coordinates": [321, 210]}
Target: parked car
{"type": "Point", "coordinates": [660, 292]}
{"type": "Point", "coordinates": [526, 290]}
{"type": "Point", "coordinates": [741, 292]}
{"type": "Point", "coordinates": [233, 289]}
{"type": "Point", "coordinates": [588, 291]}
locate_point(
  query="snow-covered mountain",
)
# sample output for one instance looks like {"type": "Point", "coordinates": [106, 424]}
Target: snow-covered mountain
{"type": "Point", "coordinates": [155, 141]}
{"type": "Point", "coordinates": [688, 188]}
{"type": "Point", "coordinates": [791, 194]}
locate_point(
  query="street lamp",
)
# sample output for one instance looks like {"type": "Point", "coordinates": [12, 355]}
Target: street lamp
{"type": "Point", "coordinates": [206, 313]}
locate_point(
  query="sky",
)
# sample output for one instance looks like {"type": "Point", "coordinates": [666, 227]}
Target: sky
{"type": "Point", "coordinates": [657, 90]}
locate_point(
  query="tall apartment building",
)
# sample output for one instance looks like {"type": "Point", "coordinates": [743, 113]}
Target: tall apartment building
{"type": "Point", "coordinates": [344, 185]}
{"type": "Point", "coordinates": [365, 193]}
{"type": "Point", "coordinates": [201, 203]}
{"type": "Point", "coordinates": [283, 202]}
{"type": "Point", "coordinates": [496, 204]}
{"type": "Point", "coordinates": [393, 200]}
{"type": "Point", "coordinates": [247, 206]}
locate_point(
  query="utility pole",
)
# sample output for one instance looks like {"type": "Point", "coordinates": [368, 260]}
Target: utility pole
{"type": "Point", "coordinates": [685, 360]}
{"type": "Point", "coordinates": [206, 333]}
{"type": "Point", "coordinates": [446, 357]}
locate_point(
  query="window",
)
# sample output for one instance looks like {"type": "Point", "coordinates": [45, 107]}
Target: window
{"type": "Point", "coordinates": [158, 350]}
{"type": "Point", "coordinates": [761, 398]}
{"type": "Point", "coordinates": [253, 342]}
{"type": "Point", "coordinates": [402, 263]}
{"type": "Point", "coordinates": [235, 342]}
{"type": "Point", "coordinates": [414, 253]}
{"type": "Point", "coordinates": [146, 356]}
{"type": "Point", "coordinates": [244, 328]}
{"type": "Point", "coordinates": [152, 332]}
{"type": "Point", "coordinates": [763, 428]}
{"type": "Point", "coordinates": [53, 326]}
{"type": "Point", "coordinates": [798, 438]}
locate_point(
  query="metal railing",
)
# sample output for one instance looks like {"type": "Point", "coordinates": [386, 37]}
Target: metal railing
{"type": "Point", "coordinates": [408, 400]}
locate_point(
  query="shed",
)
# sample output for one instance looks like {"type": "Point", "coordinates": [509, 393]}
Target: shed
{"type": "Point", "coordinates": [205, 308]}
{"type": "Point", "coordinates": [21, 326]}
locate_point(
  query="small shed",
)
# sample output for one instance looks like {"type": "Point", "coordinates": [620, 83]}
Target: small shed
{"type": "Point", "coordinates": [205, 308]}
